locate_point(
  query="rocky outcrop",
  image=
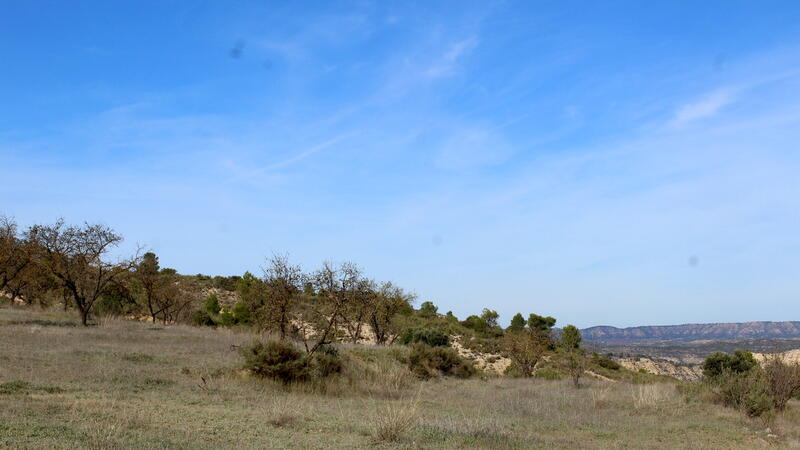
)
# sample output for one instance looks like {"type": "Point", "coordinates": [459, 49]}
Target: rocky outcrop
{"type": "Point", "coordinates": [488, 362]}
{"type": "Point", "coordinates": [662, 367]}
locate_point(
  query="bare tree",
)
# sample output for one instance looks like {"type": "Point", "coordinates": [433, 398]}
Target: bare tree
{"type": "Point", "coordinates": [74, 255]}
{"type": "Point", "coordinates": [14, 254]}
{"type": "Point", "coordinates": [334, 284]}
{"type": "Point", "coordinates": [389, 302]}
{"type": "Point", "coordinates": [175, 298]}
{"type": "Point", "coordinates": [282, 285]}
{"type": "Point", "coordinates": [525, 348]}
{"type": "Point", "coordinates": [361, 296]}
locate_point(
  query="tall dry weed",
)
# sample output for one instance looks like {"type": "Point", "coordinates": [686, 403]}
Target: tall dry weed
{"type": "Point", "coordinates": [392, 420]}
{"type": "Point", "coordinates": [650, 395]}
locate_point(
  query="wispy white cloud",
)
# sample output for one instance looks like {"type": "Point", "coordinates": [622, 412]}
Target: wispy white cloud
{"type": "Point", "coordinates": [299, 156]}
{"type": "Point", "coordinates": [447, 63]}
{"type": "Point", "coordinates": [707, 106]}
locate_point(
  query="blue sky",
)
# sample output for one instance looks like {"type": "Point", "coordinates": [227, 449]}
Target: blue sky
{"type": "Point", "coordinates": [622, 163]}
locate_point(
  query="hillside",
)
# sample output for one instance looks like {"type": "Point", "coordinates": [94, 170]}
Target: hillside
{"type": "Point", "coordinates": [693, 332]}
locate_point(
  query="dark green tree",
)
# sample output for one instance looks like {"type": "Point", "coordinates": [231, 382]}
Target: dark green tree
{"type": "Point", "coordinates": [490, 317]}
{"type": "Point", "coordinates": [475, 323]}
{"type": "Point", "coordinates": [571, 355]}
{"type": "Point", "coordinates": [570, 338]}
{"type": "Point", "coordinates": [741, 361]}
{"type": "Point", "coordinates": [517, 323]}
{"type": "Point", "coordinates": [541, 323]}
{"type": "Point", "coordinates": [428, 309]}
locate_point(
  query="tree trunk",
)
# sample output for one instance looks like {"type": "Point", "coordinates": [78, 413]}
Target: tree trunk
{"type": "Point", "coordinates": [85, 317]}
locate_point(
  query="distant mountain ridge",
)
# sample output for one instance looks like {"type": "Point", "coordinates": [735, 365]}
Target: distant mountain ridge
{"type": "Point", "coordinates": [694, 332]}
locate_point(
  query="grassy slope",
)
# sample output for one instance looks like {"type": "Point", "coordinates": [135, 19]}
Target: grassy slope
{"type": "Point", "coordinates": [137, 385]}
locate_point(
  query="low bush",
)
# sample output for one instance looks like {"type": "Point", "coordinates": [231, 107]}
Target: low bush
{"type": "Point", "coordinates": [201, 318]}
{"type": "Point", "coordinates": [326, 362]}
{"type": "Point", "coordinates": [749, 392]}
{"type": "Point", "coordinates": [277, 360]}
{"type": "Point", "coordinates": [427, 362]}
{"type": "Point", "coordinates": [783, 380]}
{"type": "Point", "coordinates": [433, 338]}
{"type": "Point", "coordinates": [605, 362]}
{"type": "Point", "coordinates": [288, 363]}
{"type": "Point", "coordinates": [548, 373]}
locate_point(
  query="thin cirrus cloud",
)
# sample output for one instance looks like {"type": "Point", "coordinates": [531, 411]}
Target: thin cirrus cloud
{"type": "Point", "coordinates": [707, 106]}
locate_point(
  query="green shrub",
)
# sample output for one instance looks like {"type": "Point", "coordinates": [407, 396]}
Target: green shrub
{"type": "Point", "coordinates": [241, 313]}
{"type": "Point", "coordinates": [434, 338]}
{"type": "Point", "coordinates": [226, 319]}
{"type": "Point", "coordinates": [326, 362]}
{"type": "Point", "coordinates": [211, 305]}
{"type": "Point", "coordinates": [202, 319]}
{"type": "Point", "coordinates": [430, 362]}
{"type": "Point", "coordinates": [277, 360]}
{"type": "Point", "coordinates": [717, 364]}
{"type": "Point", "coordinates": [475, 323]}
{"type": "Point", "coordinates": [605, 362]}
{"type": "Point", "coordinates": [748, 392]}
{"type": "Point", "coordinates": [548, 373]}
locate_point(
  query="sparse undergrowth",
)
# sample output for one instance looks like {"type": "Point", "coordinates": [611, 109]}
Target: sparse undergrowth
{"type": "Point", "coordinates": [123, 385]}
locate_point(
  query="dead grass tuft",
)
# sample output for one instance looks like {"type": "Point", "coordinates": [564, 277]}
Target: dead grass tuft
{"type": "Point", "coordinates": [391, 421]}
{"type": "Point", "coordinates": [651, 395]}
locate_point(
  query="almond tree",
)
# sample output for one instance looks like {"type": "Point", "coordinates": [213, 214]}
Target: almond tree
{"type": "Point", "coordinates": [334, 284]}
{"type": "Point", "coordinates": [281, 289]}
{"type": "Point", "coordinates": [389, 302]}
{"type": "Point", "coordinates": [14, 254]}
{"type": "Point", "coordinates": [74, 255]}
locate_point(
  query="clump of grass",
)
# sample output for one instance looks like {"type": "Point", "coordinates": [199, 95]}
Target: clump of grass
{"type": "Point", "coordinates": [600, 397]}
{"type": "Point", "coordinates": [649, 395]}
{"type": "Point", "coordinates": [390, 422]}
{"type": "Point", "coordinates": [283, 412]}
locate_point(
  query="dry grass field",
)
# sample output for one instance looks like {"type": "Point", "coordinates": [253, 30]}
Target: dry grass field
{"type": "Point", "coordinates": [136, 385]}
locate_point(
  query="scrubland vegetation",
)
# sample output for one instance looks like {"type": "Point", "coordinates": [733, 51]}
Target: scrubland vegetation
{"type": "Point", "coordinates": [131, 384]}
{"type": "Point", "coordinates": [129, 354]}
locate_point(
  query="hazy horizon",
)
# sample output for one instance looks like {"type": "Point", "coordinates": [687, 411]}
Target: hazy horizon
{"type": "Point", "coordinates": [629, 164]}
